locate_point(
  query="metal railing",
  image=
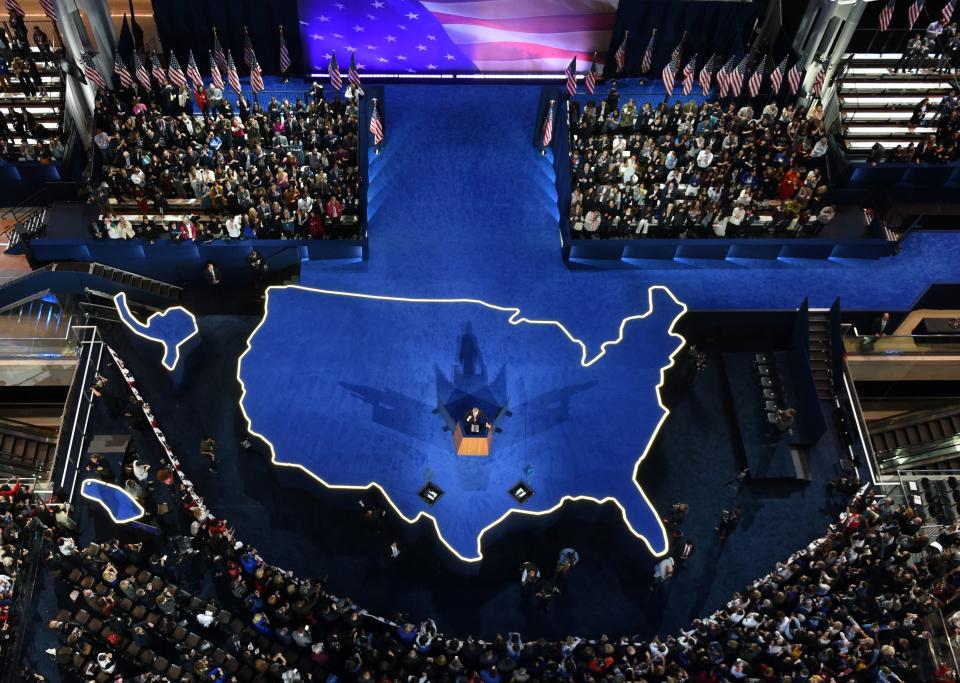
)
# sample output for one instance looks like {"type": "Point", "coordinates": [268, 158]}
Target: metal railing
{"type": "Point", "coordinates": [900, 345]}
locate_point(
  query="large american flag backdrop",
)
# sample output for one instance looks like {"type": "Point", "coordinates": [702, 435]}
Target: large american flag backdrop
{"type": "Point", "coordinates": [456, 35]}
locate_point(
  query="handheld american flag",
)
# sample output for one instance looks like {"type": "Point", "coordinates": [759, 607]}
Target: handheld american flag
{"type": "Point", "coordinates": [670, 70]}
{"type": "Point", "coordinates": [621, 54]}
{"type": "Point", "coordinates": [796, 75]}
{"type": "Point", "coordinates": [140, 71]}
{"type": "Point", "coordinates": [175, 73]}
{"type": "Point", "coordinates": [92, 74]}
{"type": "Point", "coordinates": [723, 76]}
{"type": "Point", "coordinates": [216, 78]}
{"type": "Point", "coordinates": [334, 70]}
{"type": "Point", "coordinates": [820, 79]}
{"type": "Point", "coordinates": [706, 75]}
{"type": "Point", "coordinates": [249, 57]}
{"type": "Point", "coordinates": [886, 14]}
{"type": "Point", "coordinates": [776, 78]}
{"type": "Point", "coordinates": [647, 62]}
{"type": "Point", "coordinates": [353, 75]}
{"type": "Point", "coordinates": [219, 56]}
{"type": "Point", "coordinates": [590, 80]}
{"type": "Point", "coordinates": [756, 80]}
{"type": "Point", "coordinates": [688, 72]}
{"type": "Point", "coordinates": [913, 13]}
{"type": "Point", "coordinates": [14, 7]}
{"type": "Point", "coordinates": [548, 125]}
{"type": "Point", "coordinates": [736, 78]}
{"type": "Point", "coordinates": [571, 73]}
{"type": "Point", "coordinates": [233, 78]}
{"type": "Point", "coordinates": [121, 71]}
{"type": "Point", "coordinates": [193, 72]}
{"type": "Point", "coordinates": [376, 125]}
{"type": "Point", "coordinates": [256, 77]}
{"type": "Point", "coordinates": [156, 69]}
{"type": "Point", "coordinates": [284, 54]}
{"type": "Point", "coordinates": [947, 12]}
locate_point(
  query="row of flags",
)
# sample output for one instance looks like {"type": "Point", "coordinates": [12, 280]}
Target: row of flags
{"type": "Point", "coordinates": [913, 13]}
{"type": "Point", "coordinates": [730, 78]}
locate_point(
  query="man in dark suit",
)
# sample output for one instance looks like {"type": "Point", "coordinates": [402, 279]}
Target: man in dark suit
{"type": "Point", "coordinates": [880, 326]}
{"type": "Point", "coordinates": [476, 421]}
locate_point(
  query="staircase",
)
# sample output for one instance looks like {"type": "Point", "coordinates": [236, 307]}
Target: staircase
{"type": "Point", "coordinates": [47, 109]}
{"type": "Point", "coordinates": [26, 450]}
{"type": "Point", "coordinates": [876, 104]}
{"type": "Point", "coordinates": [820, 354]}
{"type": "Point", "coordinates": [25, 229]}
{"type": "Point", "coordinates": [922, 439]}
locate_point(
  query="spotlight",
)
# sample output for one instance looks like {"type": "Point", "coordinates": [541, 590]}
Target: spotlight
{"type": "Point", "coordinates": [521, 492]}
{"type": "Point", "coordinates": [430, 493]}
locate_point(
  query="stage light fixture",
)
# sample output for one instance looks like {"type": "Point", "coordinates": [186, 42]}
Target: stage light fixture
{"type": "Point", "coordinates": [430, 493]}
{"type": "Point", "coordinates": [521, 492]}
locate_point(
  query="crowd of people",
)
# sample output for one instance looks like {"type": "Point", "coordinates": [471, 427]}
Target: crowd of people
{"type": "Point", "coordinates": [278, 171]}
{"type": "Point", "coordinates": [853, 605]}
{"type": "Point", "coordinates": [20, 72]}
{"type": "Point", "coordinates": [17, 529]}
{"type": "Point", "coordinates": [696, 170]}
{"type": "Point", "coordinates": [940, 147]}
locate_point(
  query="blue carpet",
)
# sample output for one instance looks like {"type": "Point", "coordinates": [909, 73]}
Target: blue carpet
{"type": "Point", "coordinates": [462, 205]}
{"type": "Point", "coordinates": [572, 432]}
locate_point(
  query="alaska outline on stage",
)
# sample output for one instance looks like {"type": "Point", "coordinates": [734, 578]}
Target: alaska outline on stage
{"type": "Point", "coordinates": [170, 337]}
{"type": "Point", "coordinates": [655, 538]}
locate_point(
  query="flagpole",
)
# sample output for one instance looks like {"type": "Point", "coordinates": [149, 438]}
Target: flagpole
{"type": "Point", "coordinates": [376, 147]}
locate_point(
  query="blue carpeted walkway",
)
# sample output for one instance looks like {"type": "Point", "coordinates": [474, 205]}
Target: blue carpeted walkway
{"type": "Point", "coordinates": [462, 205]}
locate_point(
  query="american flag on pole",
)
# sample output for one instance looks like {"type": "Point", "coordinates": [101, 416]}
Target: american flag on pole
{"type": "Point", "coordinates": [548, 124]}
{"type": "Point", "coordinates": [334, 70]}
{"type": "Point", "coordinates": [233, 78]}
{"type": "Point", "coordinates": [796, 75]}
{"type": "Point", "coordinates": [157, 70]}
{"type": "Point", "coordinates": [376, 125]}
{"type": "Point", "coordinates": [14, 7]}
{"type": "Point", "coordinates": [175, 73]}
{"type": "Point", "coordinates": [621, 54]}
{"type": "Point", "coordinates": [756, 80]}
{"type": "Point", "coordinates": [256, 77]}
{"type": "Point", "coordinates": [92, 74]}
{"type": "Point", "coordinates": [216, 78]}
{"type": "Point", "coordinates": [886, 14]}
{"type": "Point", "coordinates": [590, 80]}
{"type": "Point", "coordinates": [913, 13]}
{"type": "Point", "coordinates": [688, 72]}
{"type": "Point", "coordinates": [353, 75]}
{"type": "Point", "coordinates": [736, 78]}
{"type": "Point", "coordinates": [121, 71]}
{"type": "Point", "coordinates": [723, 76]}
{"type": "Point", "coordinates": [219, 56]}
{"type": "Point", "coordinates": [819, 80]}
{"type": "Point", "coordinates": [248, 55]}
{"type": "Point", "coordinates": [776, 78]}
{"type": "Point", "coordinates": [647, 62]}
{"type": "Point", "coordinates": [670, 70]}
{"type": "Point", "coordinates": [947, 12]}
{"type": "Point", "coordinates": [706, 74]}
{"type": "Point", "coordinates": [193, 72]}
{"type": "Point", "coordinates": [571, 73]}
{"type": "Point", "coordinates": [140, 71]}
{"type": "Point", "coordinates": [50, 9]}
{"type": "Point", "coordinates": [284, 54]}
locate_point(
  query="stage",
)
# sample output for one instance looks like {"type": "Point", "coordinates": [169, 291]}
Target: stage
{"type": "Point", "coordinates": [370, 385]}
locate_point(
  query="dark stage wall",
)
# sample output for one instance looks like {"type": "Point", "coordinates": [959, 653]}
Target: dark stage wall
{"type": "Point", "coordinates": [187, 25]}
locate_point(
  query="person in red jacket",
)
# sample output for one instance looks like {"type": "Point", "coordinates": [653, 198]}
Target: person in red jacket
{"type": "Point", "coordinates": [203, 104]}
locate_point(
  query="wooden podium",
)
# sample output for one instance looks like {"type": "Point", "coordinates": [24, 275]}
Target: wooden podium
{"type": "Point", "coordinates": [468, 444]}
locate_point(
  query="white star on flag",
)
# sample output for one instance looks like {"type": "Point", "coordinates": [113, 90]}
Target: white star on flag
{"type": "Point", "coordinates": [412, 15]}
{"type": "Point", "coordinates": [402, 58]}
{"type": "Point", "coordinates": [449, 56]}
{"type": "Point", "coordinates": [431, 66]}
{"type": "Point", "coordinates": [371, 16]}
{"type": "Point", "coordinates": [431, 37]}
{"type": "Point", "coordinates": [358, 28]}
{"type": "Point", "coordinates": [371, 47]}
{"type": "Point", "coordinates": [401, 27]}
{"type": "Point", "coordinates": [351, 49]}
{"type": "Point", "coordinates": [410, 71]}
{"type": "Point", "coordinates": [382, 59]}
{"type": "Point", "coordinates": [339, 6]}
{"type": "Point", "coordinates": [317, 36]}
{"type": "Point", "coordinates": [391, 39]}
{"type": "Point", "coordinates": [337, 35]}
{"type": "Point", "coordinates": [327, 56]}
{"type": "Point", "coordinates": [377, 4]}
{"type": "Point", "coordinates": [421, 47]}
{"type": "Point", "coordinates": [323, 18]}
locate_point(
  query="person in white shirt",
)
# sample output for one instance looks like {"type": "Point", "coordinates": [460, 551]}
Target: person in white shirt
{"type": "Point", "coordinates": [305, 203]}
{"type": "Point", "coordinates": [234, 226]}
{"type": "Point", "coordinates": [205, 619]}
{"type": "Point", "coordinates": [125, 229]}
{"type": "Point", "coordinates": [137, 177]}
{"type": "Point", "coordinates": [704, 158]}
{"type": "Point", "coordinates": [592, 221]}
